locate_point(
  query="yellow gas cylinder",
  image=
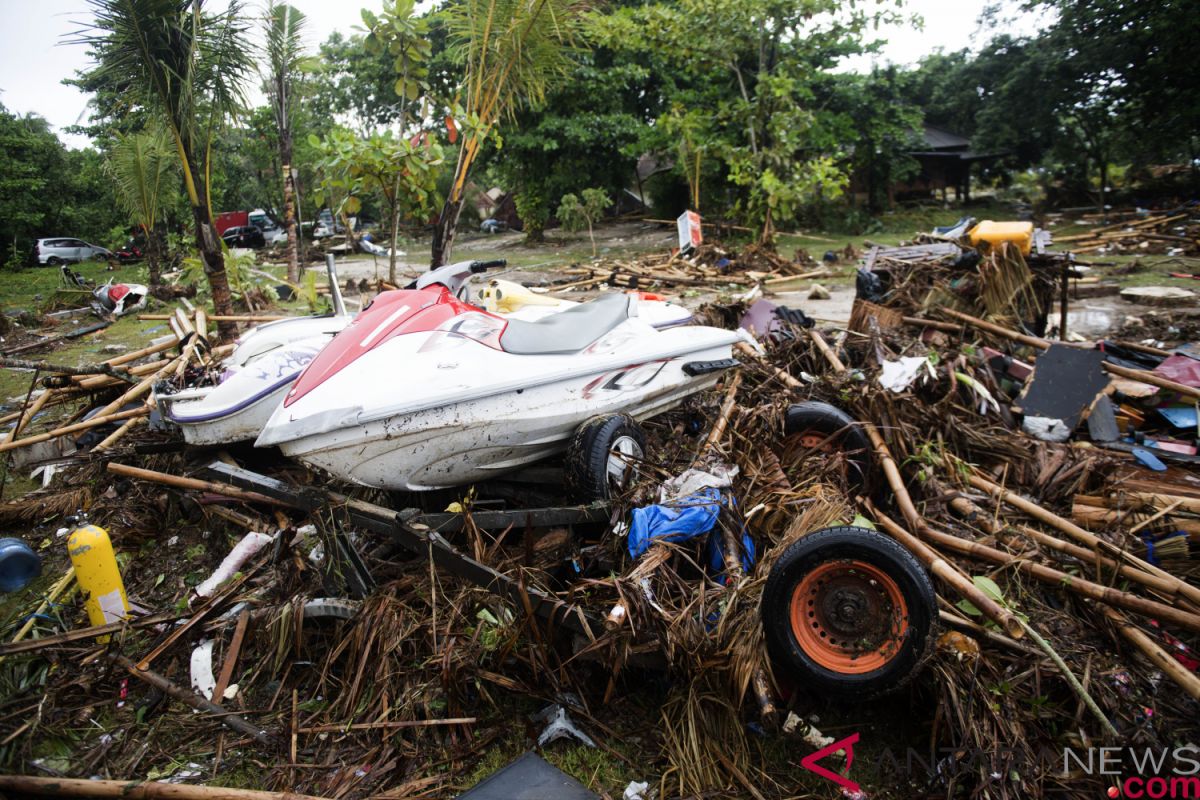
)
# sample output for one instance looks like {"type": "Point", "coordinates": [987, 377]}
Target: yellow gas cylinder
{"type": "Point", "coordinates": [98, 575]}
{"type": "Point", "coordinates": [993, 233]}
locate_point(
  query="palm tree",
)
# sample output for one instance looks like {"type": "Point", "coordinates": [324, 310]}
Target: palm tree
{"type": "Point", "coordinates": [513, 51]}
{"type": "Point", "coordinates": [139, 164]}
{"type": "Point", "coordinates": [284, 60]}
{"type": "Point", "coordinates": [188, 68]}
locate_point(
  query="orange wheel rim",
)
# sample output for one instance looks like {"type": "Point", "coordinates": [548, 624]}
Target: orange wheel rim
{"type": "Point", "coordinates": [815, 440]}
{"type": "Point", "coordinates": [849, 616]}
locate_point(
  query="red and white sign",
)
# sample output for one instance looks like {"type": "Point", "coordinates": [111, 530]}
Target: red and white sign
{"type": "Point", "coordinates": [689, 230]}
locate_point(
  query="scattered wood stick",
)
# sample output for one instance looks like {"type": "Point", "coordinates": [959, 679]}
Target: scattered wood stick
{"type": "Point", "coordinates": [153, 349]}
{"type": "Point", "coordinates": [113, 437]}
{"type": "Point", "coordinates": [221, 317]}
{"type": "Point", "coordinates": [1144, 376]}
{"type": "Point", "coordinates": [180, 482]}
{"type": "Point", "coordinates": [1088, 538]}
{"type": "Point", "coordinates": [376, 726]}
{"type": "Point", "coordinates": [133, 790]}
{"type": "Point", "coordinates": [823, 346]}
{"type": "Point", "coordinates": [86, 369]}
{"type": "Point", "coordinates": [1071, 680]}
{"type": "Point", "coordinates": [231, 655]}
{"type": "Point", "coordinates": [79, 634]}
{"type": "Point", "coordinates": [1049, 575]}
{"type": "Point", "coordinates": [190, 698]}
{"type": "Point", "coordinates": [1183, 677]}
{"type": "Point", "coordinates": [55, 592]}
{"type": "Point", "coordinates": [727, 409]}
{"type": "Point", "coordinates": [74, 428]}
{"type": "Point", "coordinates": [949, 573]}
{"type": "Point", "coordinates": [30, 412]}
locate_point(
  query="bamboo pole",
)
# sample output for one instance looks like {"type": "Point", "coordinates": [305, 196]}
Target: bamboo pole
{"type": "Point", "coordinates": [950, 574]}
{"type": "Point", "coordinates": [55, 591]}
{"type": "Point", "coordinates": [975, 515]}
{"type": "Point", "coordinates": [727, 408]}
{"type": "Point", "coordinates": [28, 416]}
{"type": "Point", "coordinates": [113, 437]}
{"type": "Point", "coordinates": [1071, 583]}
{"type": "Point", "coordinates": [101, 381]}
{"type": "Point", "coordinates": [375, 726]}
{"type": "Point", "coordinates": [1186, 590]}
{"type": "Point", "coordinates": [143, 387]}
{"type": "Point", "coordinates": [154, 349]}
{"type": "Point", "coordinates": [1183, 677]}
{"type": "Point", "coordinates": [180, 482]}
{"type": "Point", "coordinates": [75, 428]}
{"type": "Point", "coordinates": [87, 369]}
{"type": "Point", "coordinates": [133, 790]}
{"type": "Point", "coordinates": [823, 346]}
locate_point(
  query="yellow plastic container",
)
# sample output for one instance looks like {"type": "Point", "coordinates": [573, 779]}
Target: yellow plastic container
{"type": "Point", "coordinates": [505, 297]}
{"type": "Point", "coordinates": [99, 577]}
{"type": "Point", "coordinates": [993, 233]}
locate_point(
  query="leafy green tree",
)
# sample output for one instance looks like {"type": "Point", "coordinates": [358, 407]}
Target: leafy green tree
{"type": "Point", "coordinates": [403, 172]}
{"type": "Point", "coordinates": [31, 161]}
{"type": "Point", "coordinates": [141, 167]}
{"type": "Point", "coordinates": [882, 128]}
{"type": "Point", "coordinates": [513, 52]}
{"type": "Point", "coordinates": [354, 83]}
{"type": "Point", "coordinates": [587, 133]}
{"type": "Point", "coordinates": [284, 66]}
{"type": "Point", "coordinates": [189, 67]}
{"type": "Point", "coordinates": [751, 66]}
{"type": "Point", "coordinates": [576, 214]}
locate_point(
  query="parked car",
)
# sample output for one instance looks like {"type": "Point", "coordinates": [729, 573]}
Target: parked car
{"type": "Point", "coordinates": [244, 236]}
{"type": "Point", "coordinates": [66, 251]}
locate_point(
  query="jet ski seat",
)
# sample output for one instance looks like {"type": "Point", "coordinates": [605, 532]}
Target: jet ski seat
{"type": "Point", "coordinates": [567, 331]}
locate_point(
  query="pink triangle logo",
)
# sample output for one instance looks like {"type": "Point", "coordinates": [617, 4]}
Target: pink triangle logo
{"type": "Point", "coordinates": [809, 762]}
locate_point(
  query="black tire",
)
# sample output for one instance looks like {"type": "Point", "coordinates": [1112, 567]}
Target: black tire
{"type": "Point", "coordinates": [587, 462]}
{"type": "Point", "coordinates": [880, 635]}
{"type": "Point", "coordinates": [842, 431]}
{"type": "Point", "coordinates": [54, 261]}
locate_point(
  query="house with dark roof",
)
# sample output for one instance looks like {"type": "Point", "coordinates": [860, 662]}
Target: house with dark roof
{"type": "Point", "coordinates": [946, 160]}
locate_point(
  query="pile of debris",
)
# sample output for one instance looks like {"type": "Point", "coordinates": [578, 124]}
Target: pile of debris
{"type": "Point", "coordinates": [708, 266]}
{"type": "Point", "coordinates": [773, 565]}
{"type": "Point", "coordinates": [1173, 233]}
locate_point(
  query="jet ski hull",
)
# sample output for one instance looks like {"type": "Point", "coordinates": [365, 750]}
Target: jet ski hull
{"type": "Point", "coordinates": [475, 440]}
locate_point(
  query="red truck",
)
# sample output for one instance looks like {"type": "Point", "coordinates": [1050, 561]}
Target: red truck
{"type": "Point", "coordinates": [231, 219]}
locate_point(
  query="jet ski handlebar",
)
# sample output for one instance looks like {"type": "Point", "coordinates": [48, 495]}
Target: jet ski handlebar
{"type": "Point", "coordinates": [454, 276]}
{"type": "Point", "coordinates": [482, 266]}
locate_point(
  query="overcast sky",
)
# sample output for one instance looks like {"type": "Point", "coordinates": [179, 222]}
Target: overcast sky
{"type": "Point", "coordinates": [34, 60]}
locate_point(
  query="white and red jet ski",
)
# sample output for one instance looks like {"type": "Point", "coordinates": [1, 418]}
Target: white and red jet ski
{"type": "Point", "coordinates": [422, 391]}
{"type": "Point", "coordinates": [269, 358]}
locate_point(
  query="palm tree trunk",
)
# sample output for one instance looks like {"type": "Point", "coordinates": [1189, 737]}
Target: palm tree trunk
{"type": "Point", "coordinates": [152, 256]}
{"type": "Point", "coordinates": [443, 232]}
{"type": "Point", "coordinates": [213, 257]}
{"type": "Point", "coordinates": [289, 206]}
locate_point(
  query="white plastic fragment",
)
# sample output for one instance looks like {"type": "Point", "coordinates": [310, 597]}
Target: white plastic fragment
{"type": "Point", "coordinates": [636, 790]}
{"type": "Point", "coordinates": [899, 375]}
{"type": "Point", "coordinates": [242, 552]}
{"type": "Point", "coordinates": [1048, 429]}
{"type": "Point", "coordinates": [203, 680]}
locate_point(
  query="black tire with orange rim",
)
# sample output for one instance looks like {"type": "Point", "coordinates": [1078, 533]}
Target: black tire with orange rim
{"type": "Point", "coordinates": [813, 425]}
{"type": "Point", "coordinates": [848, 612]}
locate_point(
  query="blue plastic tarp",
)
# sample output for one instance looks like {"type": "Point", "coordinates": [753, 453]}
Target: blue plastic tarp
{"type": "Point", "coordinates": [688, 518]}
